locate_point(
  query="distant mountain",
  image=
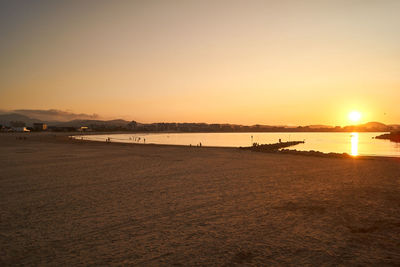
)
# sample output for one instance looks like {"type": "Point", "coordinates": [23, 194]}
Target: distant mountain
{"type": "Point", "coordinates": [369, 127]}
{"type": "Point", "coordinates": [5, 119]}
{"type": "Point", "coordinates": [57, 118]}
{"type": "Point", "coordinates": [80, 123]}
{"type": "Point", "coordinates": [395, 127]}
{"type": "Point", "coordinates": [320, 126]}
{"type": "Point", "coordinates": [55, 115]}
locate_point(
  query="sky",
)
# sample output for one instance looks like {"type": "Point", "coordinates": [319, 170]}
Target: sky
{"type": "Point", "coordinates": [247, 62]}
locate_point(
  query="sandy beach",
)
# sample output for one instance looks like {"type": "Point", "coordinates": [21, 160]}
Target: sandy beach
{"type": "Point", "coordinates": [67, 202]}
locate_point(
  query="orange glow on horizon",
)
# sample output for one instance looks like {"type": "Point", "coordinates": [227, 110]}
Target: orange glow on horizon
{"type": "Point", "coordinates": [269, 62]}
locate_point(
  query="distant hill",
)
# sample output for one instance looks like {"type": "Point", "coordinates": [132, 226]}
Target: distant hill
{"type": "Point", "coordinates": [374, 125]}
{"type": "Point", "coordinates": [370, 126]}
{"type": "Point", "coordinates": [5, 119]}
{"type": "Point", "coordinates": [49, 116]}
{"type": "Point", "coordinates": [395, 127]}
{"type": "Point", "coordinates": [320, 126]}
{"type": "Point", "coordinates": [55, 115]}
{"type": "Point", "coordinates": [80, 123]}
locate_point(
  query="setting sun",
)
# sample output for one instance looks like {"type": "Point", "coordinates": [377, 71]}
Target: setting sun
{"type": "Point", "coordinates": [355, 116]}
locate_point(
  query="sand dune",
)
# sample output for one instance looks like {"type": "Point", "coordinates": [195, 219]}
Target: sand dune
{"type": "Point", "coordinates": [66, 202]}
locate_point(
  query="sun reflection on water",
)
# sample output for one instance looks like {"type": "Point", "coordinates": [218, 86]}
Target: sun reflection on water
{"type": "Point", "coordinates": [354, 144]}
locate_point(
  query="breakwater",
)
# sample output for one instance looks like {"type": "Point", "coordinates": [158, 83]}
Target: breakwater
{"type": "Point", "coordinates": [280, 148]}
{"type": "Point", "coordinates": [272, 147]}
{"type": "Point", "coordinates": [394, 137]}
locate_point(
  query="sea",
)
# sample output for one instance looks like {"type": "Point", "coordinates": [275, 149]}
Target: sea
{"type": "Point", "coordinates": [352, 143]}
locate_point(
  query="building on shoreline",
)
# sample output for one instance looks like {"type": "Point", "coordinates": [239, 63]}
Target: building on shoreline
{"type": "Point", "coordinates": [20, 129]}
{"type": "Point", "coordinates": [39, 127]}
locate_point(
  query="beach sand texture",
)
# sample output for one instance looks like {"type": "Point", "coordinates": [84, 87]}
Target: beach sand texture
{"type": "Point", "coordinates": [68, 202]}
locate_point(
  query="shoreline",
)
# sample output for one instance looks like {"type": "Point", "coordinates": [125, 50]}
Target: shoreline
{"type": "Point", "coordinates": [67, 137]}
{"type": "Point", "coordinates": [313, 153]}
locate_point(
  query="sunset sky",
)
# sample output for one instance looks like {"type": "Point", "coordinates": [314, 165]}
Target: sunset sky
{"type": "Point", "coordinates": [268, 62]}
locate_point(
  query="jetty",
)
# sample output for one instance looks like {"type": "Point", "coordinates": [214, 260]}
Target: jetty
{"type": "Point", "coordinates": [272, 147]}
{"type": "Point", "coordinates": [393, 136]}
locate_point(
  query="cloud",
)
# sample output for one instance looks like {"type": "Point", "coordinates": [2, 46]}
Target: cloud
{"type": "Point", "coordinates": [55, 115]}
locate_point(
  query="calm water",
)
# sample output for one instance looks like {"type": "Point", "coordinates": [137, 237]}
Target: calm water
{"type": "Point", "coordinates": [351, 143]}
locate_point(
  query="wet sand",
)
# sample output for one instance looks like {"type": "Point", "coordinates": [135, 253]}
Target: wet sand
{"type": "Point", "coordinates": [69, 202]}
